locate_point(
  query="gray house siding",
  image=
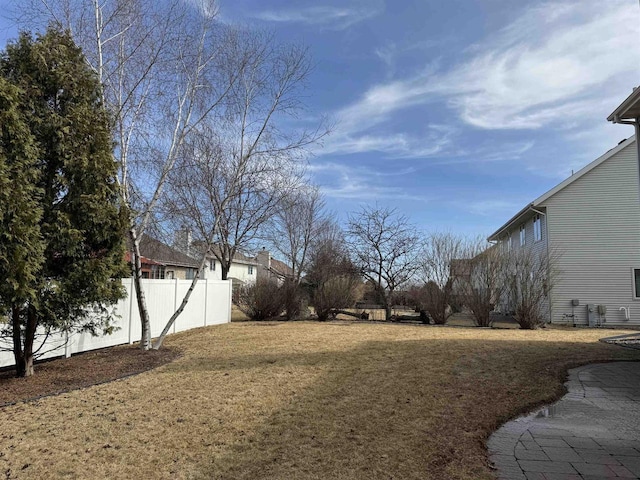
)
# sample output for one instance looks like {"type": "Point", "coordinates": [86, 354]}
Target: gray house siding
{"type": "Point", "coordinates": [594, 224]}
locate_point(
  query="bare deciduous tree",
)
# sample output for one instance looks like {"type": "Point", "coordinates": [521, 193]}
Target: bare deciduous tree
{"type": "Point", "coordinates": [333, 280]}
{"type": "Point", "coordinates": [292, 232]}
{"type": "Point", "coordinates": [440, 251]}
{"type": "Point", "coordinates": [235, 171]}
{"type": "Point", "coordinates": [479, 278]}
{"type": "Point", "coordinates": [386, 247]}
{"type": "Point", "coordinates": [253, 161]}
{"type": "Point", "coordinates": [295, 226]}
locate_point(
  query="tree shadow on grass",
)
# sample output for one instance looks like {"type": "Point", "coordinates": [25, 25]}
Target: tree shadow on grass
{"type": "Point", "coordinates": [397, 409]}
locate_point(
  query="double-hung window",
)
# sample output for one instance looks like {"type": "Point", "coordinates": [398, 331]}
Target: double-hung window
{"type": "Point", "coordinates": [537, 228]}
{"type": "Point", "coordinates": [523, 235]}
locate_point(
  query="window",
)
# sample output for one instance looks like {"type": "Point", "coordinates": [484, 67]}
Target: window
{"type": "Point", "coordinates": [636, 282]}
{"type": "Point", "coordinates": [537, 228]}
{"type": "Point", "coordinates": [250, 269]}
{"type": "Point", "coordinates": [212, 265]}
{"type": "Point", "coordinates": [523, 235]}
{"type": "Point", "coordinates": [190, 273]}
{"type": "Point", "coordinates": [506, 244]}
{"type": "Point", "coordinates": [157, 272]}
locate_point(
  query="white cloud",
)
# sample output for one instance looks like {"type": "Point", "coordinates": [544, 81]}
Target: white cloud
{"type": "Point", "coordinates": [549, 65]}
{"type": "Point", "coordinates": [206, 8]}
{"type": "Point", "coordinates": [327, 16]}
{"type": "Point", "coordinates": [360, 183]}
{"type": "Point", "coordinates": [558, 64]}
{"type": "Point", "coordinates": [361, 191]}
{"type": "Point", "coordinates": [487, 153]}
{"type": "Point", "coordinates": [435, 140]}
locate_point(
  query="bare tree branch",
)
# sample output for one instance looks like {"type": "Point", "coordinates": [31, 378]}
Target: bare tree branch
{"type": "Point", "coordinates": [385, 246]}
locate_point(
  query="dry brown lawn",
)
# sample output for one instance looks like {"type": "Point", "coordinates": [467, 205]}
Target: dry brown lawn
{"type": "Point", "coordinates": [301, 401]}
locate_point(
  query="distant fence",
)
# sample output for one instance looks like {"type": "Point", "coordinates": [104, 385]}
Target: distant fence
{"type": "Point", "coordinates": [376, 312]}
{"type": "Point", "coordinates": [209, 304]}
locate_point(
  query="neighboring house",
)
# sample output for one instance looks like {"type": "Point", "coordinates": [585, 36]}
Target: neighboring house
{"type": "Point", "coordinates": [161, 261]}
{"type": "Point", "coordinates": [592, 221]}
{"type": "Point", "coordinates": [243, 270]}
{"type": "Point", "coordinates": [272, 269]}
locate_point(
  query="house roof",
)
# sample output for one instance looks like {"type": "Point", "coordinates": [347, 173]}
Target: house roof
{"type": "Point", "coordinates": [163, 254]}
{"type": "Point", "coordinates": [537, 203]}
{"type": "Point", "coordinates": [237, 257]}
{"type": "Point", "coordinates": [216, 249]}
{"type": "Point", "coordinates": [629, 109]}
{"type": "Point", "coordinates": [281, 268]}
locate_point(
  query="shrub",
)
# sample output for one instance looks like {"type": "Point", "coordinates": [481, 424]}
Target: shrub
{"type": "Point", "coordinates": [435, 301]}
{"type": "Point", "coordinates": [261, 300]}
{"type": "Point", "coordinates": [482, 281]}
{"type": "Point", "coordinates": [531, 277]}
{"type": "Point", "coordinates": [336, 293]}
{"type": "Point", "coordinates": [294, 300]}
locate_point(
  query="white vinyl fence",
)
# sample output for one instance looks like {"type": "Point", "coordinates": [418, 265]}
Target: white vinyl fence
{"type": "Point", "coordinates": [209, 304]}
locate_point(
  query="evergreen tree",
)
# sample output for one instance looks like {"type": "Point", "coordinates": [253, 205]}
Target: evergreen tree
{"type": "Point", "coordinates": [81, 225]}
{"type": "Point", "coordinates": [21, 245]}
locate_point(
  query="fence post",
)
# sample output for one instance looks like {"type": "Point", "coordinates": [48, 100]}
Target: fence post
{"type": "Point", "coordinates": [67, 350]}
{"type": "Point", "coordinates": [206, 299]}
{"type": "Point", "coordinates": [230, 300]}
{"type": "Point", "coordinates": [175, 303]}
{"type": "Point", "coordinates": [132, 289]}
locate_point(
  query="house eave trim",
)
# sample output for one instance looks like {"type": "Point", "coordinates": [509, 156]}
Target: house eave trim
{"type": "Point", "coordinates": [495, 236]}
{"type": "Point", "coordinates": [619, 113]}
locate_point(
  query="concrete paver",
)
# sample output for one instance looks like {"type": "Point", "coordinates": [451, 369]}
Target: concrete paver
{"type": "Point", "coordinates": [592, 433]}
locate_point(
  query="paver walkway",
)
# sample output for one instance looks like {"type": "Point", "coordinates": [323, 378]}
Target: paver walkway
{"type": "Point", "coordinates": [592, 433]}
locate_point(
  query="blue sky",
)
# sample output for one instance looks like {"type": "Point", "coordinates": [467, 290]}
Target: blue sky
{"type": "Point", "coordinates": [456, 112]}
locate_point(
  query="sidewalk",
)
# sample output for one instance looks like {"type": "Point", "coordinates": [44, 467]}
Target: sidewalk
{"type": "Point", "coordinates": [592, 433]}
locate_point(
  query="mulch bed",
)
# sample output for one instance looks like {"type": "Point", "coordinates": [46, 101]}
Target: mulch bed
{"type": "Point", "coordinates": [52, 377]}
